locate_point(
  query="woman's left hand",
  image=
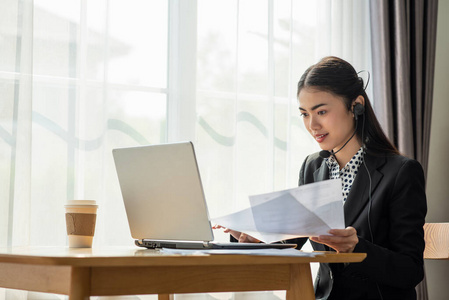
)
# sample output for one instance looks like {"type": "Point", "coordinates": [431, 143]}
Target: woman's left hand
{"type": "Point", "coordinates": [239, 236]}
{"type": "Point", "coordinates": [342, 240]}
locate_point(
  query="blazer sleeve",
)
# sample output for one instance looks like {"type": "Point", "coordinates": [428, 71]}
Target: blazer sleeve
{"type": "Point", "coordinates": [399, 261]}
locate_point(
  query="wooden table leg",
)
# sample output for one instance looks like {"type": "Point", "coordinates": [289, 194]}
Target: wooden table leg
{"type": "Point", "coordinates": [165, 297]}
{"type": "Point", "coordinates": [301, 285]}
{"type": "Point", "coordinates": [80, 283]}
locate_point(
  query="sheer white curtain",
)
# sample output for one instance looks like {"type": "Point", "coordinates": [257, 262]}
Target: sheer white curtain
{"type": "Point", "coordinates": [251, 55]}
{"type": "Point", "coordinates": [78, 78]}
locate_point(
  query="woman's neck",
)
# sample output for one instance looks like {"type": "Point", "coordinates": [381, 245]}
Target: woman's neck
{"type": "Point", "coordinates": [348, 152]}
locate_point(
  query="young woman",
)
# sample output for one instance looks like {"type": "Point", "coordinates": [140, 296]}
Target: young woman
{"type": "Point", "coordinates": [383, 192]}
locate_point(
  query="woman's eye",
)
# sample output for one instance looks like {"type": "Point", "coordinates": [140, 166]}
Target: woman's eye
{"type": "Point", "coordinates": [303, 115]}
{"type": "Point", "coordinates": [321, 112]}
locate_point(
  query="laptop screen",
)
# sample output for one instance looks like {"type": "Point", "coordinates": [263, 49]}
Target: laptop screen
{"type": "Point", "coordinates": [162, 192]}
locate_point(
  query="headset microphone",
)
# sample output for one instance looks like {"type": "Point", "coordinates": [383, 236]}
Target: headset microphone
{"type": "Point", "coordinates": [358, 110]}
{"type": "Point", "coordinates": [325, 153]}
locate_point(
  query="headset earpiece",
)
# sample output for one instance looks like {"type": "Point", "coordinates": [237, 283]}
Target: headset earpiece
{"type": "Point", "coordinates": [358, 110]}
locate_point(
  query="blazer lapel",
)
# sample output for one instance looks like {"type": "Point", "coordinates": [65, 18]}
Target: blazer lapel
{"type": "Point", "coordinates": [322, 173]}
{"type": "Point", "coordinates": [358, 196]}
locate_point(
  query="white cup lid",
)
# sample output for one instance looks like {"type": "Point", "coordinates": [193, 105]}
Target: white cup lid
{"type": "Point", "coordinates": [81, 202]}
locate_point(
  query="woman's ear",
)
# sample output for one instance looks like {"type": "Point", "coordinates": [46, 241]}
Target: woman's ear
{"type": "Point", "coordinates": [360, 99]}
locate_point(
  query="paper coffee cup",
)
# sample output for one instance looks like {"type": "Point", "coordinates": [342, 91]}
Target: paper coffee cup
{"type": "Point", "coordinates": [80, 216]}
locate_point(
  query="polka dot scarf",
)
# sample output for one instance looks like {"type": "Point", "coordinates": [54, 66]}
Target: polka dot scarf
{"type": "Point", "coordinates": [348, 173]}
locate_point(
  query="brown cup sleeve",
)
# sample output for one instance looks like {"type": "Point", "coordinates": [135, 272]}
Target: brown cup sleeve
{"type": "Point", "coordinates": [80, 224]}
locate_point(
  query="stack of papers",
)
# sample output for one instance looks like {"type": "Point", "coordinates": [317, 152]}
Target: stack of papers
{"type": "Point", "coordinates": [309, 210]}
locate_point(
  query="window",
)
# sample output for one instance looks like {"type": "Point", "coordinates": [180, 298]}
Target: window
{"type": "Point", "coordinates": [79, 78]}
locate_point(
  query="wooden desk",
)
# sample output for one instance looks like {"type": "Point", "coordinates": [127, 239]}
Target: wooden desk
{"type": "Point", "coordinates": [81, 273]}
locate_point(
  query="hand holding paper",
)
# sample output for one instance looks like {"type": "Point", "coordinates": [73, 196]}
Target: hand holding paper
{"type": "Point", "coordinates": [308, 210]}
{"type": "Point", "coordinates": [341, 240]}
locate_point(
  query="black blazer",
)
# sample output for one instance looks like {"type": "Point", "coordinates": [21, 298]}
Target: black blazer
{"type": "Point", "coordinates": [389, 227]}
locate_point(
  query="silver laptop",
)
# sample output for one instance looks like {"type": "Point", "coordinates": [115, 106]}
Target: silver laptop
{"type": "Point", "coordinates": [164, 198]}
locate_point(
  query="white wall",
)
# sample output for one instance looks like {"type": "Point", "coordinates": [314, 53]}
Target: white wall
{"type": "Point", "coordinates": [438, 173]}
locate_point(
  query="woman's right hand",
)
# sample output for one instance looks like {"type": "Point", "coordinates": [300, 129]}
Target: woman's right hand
{"type": "Point", "coordinates": [239, 236]}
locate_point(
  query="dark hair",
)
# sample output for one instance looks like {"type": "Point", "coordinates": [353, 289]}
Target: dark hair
{"type": "Point", "coordinates": [335, 75]}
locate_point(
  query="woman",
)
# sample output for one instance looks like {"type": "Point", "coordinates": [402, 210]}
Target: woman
{"type": "Point", "coordinates": [383, 192]}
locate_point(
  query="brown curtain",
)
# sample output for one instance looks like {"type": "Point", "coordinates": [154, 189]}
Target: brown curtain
{"type": "Point", "coordinates": [403, 36]}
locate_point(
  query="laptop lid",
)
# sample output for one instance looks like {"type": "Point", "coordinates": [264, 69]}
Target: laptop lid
{"type": "Point", "coordinates": [162, 192]}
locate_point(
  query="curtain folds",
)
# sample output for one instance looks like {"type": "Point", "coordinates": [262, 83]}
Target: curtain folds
{"type": "Point", "coordinates": [403, 45]}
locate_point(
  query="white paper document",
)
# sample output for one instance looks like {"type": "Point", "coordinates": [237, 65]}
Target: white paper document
{"type": "Point", "coordinates": [309, 210]}
{"type": "Point", "coordinates": [270, 252]}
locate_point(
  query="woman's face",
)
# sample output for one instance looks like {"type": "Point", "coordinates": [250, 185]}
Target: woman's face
{"type": "Point", "coordinates": [327, 118]}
